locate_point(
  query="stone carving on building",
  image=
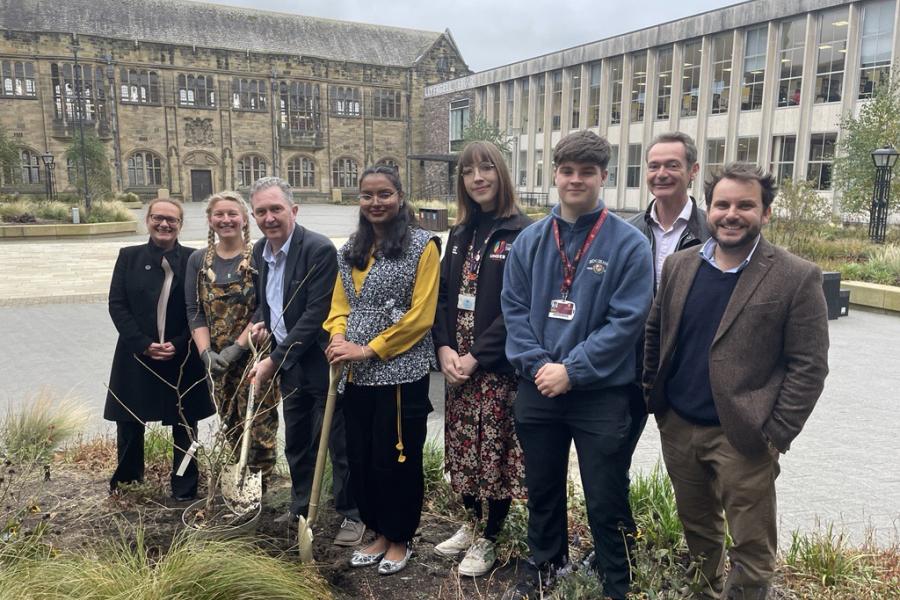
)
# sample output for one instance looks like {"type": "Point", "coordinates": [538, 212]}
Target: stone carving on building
{"type": "Point", "coordinates": [199, 158]}
{"type": "Point", "coordinates": [198, 132]}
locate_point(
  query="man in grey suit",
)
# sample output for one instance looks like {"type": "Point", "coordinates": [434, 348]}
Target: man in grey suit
{"type": "Point", "coordinates": [736, 355]}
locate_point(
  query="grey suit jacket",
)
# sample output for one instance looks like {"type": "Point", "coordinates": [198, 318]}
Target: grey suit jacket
{"type": "Point", "coordinates": [769, 357]}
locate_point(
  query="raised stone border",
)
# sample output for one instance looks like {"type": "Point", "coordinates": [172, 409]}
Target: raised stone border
{"type": "Point", "coordinates": [64, 230]}
{"type": "Point", "coordinates": [873, 295]}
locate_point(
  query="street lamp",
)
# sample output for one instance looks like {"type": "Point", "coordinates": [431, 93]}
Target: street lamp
{"type": "Point", "coordinates": [48, 167]}
{"type": "Point", "coordinates": [884, 159]}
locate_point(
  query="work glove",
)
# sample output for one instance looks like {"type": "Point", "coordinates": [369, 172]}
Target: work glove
{"type": "Point", "coordinates": [232, 353]}
{"type": "Point", "coordinates": [213, 362]}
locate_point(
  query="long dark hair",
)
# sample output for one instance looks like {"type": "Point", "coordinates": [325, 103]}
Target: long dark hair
{"type": "Point", "coordinates": [396, 239]}
{"type": "Point", "coordinates": [472, 154]}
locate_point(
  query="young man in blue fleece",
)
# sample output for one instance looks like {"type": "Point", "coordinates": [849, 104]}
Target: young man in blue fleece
{"type": "Point", "coordinates": [576, 292]}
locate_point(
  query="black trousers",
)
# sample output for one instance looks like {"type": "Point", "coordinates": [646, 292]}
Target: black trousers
{"type": "Point", "coordinates": [130, 450]}
{"type": "Point", "coordinates": [389, 493]}
{"type": "Point", "coordinates": [303, 393]}
{"type": "Point", "coordinates": [599, 422]}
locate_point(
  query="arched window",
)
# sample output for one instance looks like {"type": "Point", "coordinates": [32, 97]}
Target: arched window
{"type": "Point", "coordinates": [31, 167]}
{"type": "Point", "coordinates": [250, 168]}
{"type": "Point", "coordinates": [344, 173]}
{"type": "Point", "coordinates": [301, 172]}
{"type": "Point", "coordinates": [144, 169]}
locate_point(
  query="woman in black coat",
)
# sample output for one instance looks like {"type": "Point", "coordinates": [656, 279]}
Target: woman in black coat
{"type": "Point", "coordinates": [156, 373]}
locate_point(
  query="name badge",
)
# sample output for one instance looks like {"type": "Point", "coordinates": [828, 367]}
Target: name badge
{"type": "Point", "coordinates": [562, 309]}
{"type": "Point", "coordinates": [466, 302]}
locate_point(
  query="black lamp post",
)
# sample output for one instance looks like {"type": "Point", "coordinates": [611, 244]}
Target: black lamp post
{"type": "Point", "coordinates": [48, 167]}
{"type": "Point", "coordinates": [884, 159]}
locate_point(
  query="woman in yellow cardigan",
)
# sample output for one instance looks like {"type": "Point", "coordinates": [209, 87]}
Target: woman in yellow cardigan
{"type": "Point", "coordinates": [380, 324]}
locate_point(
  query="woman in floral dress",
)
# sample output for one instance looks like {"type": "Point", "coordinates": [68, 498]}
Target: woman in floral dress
{"type": "Point", "coordinates": [482, 452]}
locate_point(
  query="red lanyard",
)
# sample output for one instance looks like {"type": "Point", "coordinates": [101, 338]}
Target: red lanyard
{"type": "Point", "coordinates": [569, 267]}
{"type": "Point", "coordinates": [473, 265]}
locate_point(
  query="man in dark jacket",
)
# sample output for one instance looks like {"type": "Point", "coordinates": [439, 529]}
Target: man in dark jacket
{"type": "Point", "coordinates": [672, 221]}
{"type": "Point", "coordinates": [297, 271]}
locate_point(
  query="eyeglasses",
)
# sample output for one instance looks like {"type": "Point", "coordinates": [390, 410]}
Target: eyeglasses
{"type": "Point", "coordinates": [383, 196]}
{"type": "Point", "coordinates": [482, 167]}
{"type": "Point", "coordinates": [160, 219]}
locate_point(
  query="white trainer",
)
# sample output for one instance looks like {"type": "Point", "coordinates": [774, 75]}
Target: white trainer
{"type": "Point", "coordinates": [479, 559]}
{"type": "Point", "coordinates": [458, 542]}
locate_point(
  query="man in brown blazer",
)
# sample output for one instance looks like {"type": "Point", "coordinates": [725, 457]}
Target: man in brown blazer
{"type": "Point", "coordinates": [736, 355]}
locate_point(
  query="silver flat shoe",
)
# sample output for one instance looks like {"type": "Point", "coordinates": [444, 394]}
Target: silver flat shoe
{"type": "Point", "coordinates": [361, 559]}
{"type": "Point", "coordinates": [389, 567]}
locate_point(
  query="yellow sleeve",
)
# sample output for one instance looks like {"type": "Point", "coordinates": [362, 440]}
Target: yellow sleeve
{"type": "Point", "coordinates": [405, 333]}
{"type": "Point", "coordinates": [336, 322]}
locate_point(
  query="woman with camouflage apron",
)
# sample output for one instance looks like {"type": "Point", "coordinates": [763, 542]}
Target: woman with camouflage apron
{"type": "Point", "coordinates": [220, 307]}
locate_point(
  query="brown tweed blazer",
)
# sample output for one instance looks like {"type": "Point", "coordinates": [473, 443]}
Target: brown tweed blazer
{"type": "Point", "coordinates": [769, 357]}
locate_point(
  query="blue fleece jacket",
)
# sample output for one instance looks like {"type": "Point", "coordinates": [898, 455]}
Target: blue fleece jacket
{"type": "Point", "coordinates": [612, 291]}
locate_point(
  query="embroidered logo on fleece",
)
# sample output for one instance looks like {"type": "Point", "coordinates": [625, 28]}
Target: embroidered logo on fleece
{"type": "Point", "coordinates": [597, 266]}
{"type": "Point", "coordinates": [500, 250]}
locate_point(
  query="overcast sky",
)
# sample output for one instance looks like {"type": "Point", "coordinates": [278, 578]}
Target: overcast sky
{"type": "Point", "coordinates": [490, 34]}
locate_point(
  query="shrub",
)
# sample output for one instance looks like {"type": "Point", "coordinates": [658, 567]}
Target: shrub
{"type": "Point", "coordinates": [108, 212]}
{"type": "Point", "coordinates": [54, 211]}
{"type": "Point", "coordinates": [189, 569]}
{"type": "Point", "coordinates": [32, 433]}
{"type": "Point", "coordinates": [798, 214]}
{"type": "Point", "coordinates": [12, 211]}
{"type": "Point", "coordinates": [128, 197]}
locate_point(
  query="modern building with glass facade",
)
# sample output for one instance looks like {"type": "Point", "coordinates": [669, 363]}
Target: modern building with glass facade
{"type": "Point", "coordinates": [760, 81]}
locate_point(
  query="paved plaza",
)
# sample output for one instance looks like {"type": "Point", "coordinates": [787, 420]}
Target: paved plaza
{"type": "Point", "coordinates": [844, 467]}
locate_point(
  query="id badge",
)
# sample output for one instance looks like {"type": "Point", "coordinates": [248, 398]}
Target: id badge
{"type": "Point", "coordinates": [562, 309]}
{"type": "Point", "coordinates": [466, 302]}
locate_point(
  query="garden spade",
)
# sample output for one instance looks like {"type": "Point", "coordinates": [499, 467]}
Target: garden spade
{"type": "Point", "coordinates": [304, 533]}
{"type": "Point", "coordinates": [242, 490]}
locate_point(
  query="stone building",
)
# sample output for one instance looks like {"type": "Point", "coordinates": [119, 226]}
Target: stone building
{"type": "Point", "coordinates": [760, 81]}
{"type": "Point", "coordinates": [197, 98]}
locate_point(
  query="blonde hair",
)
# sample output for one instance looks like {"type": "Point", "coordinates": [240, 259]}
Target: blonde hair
{"type": "Point", "coordinates": [235, 197]}
{"type": "Point", "coordinates": [172, 201]}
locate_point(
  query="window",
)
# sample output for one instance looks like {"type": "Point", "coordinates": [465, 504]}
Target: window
{"type": "Point", "coordinates": [638, 86]}
{"type": "Point", "coordinates": [66, 80]}
{"type": "Point", "coordinates": [196, 90]}
{"type": "Point", "coordinates": [556, 81]}
{"type": "Point", "coordinates": [538, 168]}
{"type": "Point", "coordinates": [510, 104]}
{"type": "Point", "coordinates": [386, 104]}
{"type": "Point", "coordinates": [633, 170]}
{"type": "Point", "coordinates": [575, 74]}
{"type": "Point", "coordinates": [459, 121]}
{"type": "Point", "coordinates": [144, 169]}
{"type": "Point", "coordinates": [523, 103]}
{"type": "Point", "coordinates": [299, 111]}
{"type": "Point", "coordinates": [18, 79]}
{"type": "Point", "coordinates": [690, 78]}
{"type": "Point", "coordinates": [612, 179]}
{"type": "Point", "coordinates": [249, 94]}
{"type": "Point", "coordinates": [301, 172]}
{"type": "Point", "coordinates": [523, 168]}
{"type": "Point", "coordinates": [138, 86]}
{"type": "Point", "coordinates": [783, 150]}
{"type": "Point", "coordinates": [790, 54]}
{"type": "Point", "coordinates": [821, 155]}
{"type": "Point", "coordinates": [876, 45]}
{"type": "Point", "coordinates": [250, 168]}
{"type": "Point", "coordinates": [539, 108]}
{"type": "Point", "coordinates": [664, 83]}
{"type": "Point", "coordinates": [754, 68]}
{"type": "Point", "coordinates": [345, 101]}
{"type": "Point", "coordinates": [344, 173]}
{"type": "Point", "coordinates": [615, 96]}
{"type": "Point", "coordinates": [833, 26]}
{"type": "Point", "coordinates": [715, 157]}
{"type": "Point", "coordinates": [495, 103]}
{"type": "Point", "coordinates": [748, 149]}
{"type": "Point", "coordinates": [594, 96]}
{"type": "Point", "coordinates": [31, 167]}
{"type": "Point", "coordinates": [721, 72]}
